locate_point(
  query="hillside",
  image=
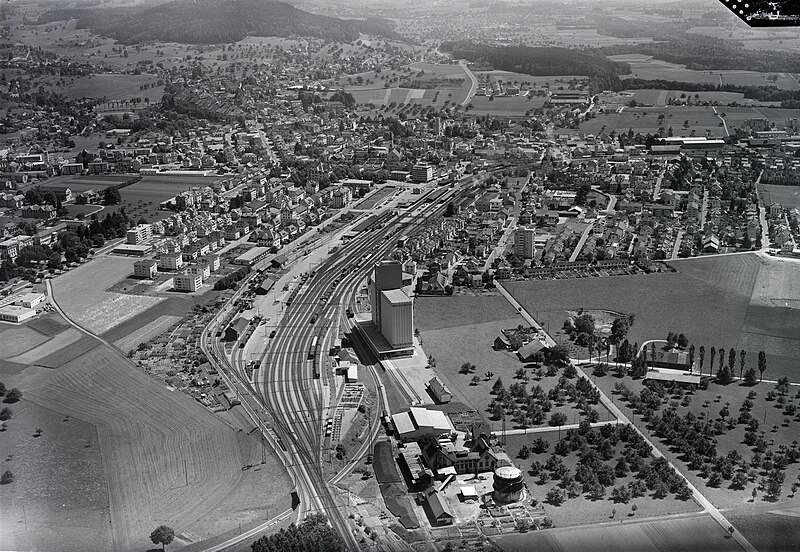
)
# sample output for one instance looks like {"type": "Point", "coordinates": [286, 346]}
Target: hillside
{"type": "Point", "coordinates": [214, 22]}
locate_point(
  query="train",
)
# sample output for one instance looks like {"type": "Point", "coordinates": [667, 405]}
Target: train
{"type": "Point", "coordinates": [312, 351]}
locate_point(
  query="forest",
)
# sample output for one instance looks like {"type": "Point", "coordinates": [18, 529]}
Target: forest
{"type": "Point", "coordinates": [215, 22]}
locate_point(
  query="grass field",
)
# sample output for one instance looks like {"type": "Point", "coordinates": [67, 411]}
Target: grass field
{"type": "Point", "coordinates": [660, 98]}
{"type": "Point", "coordinates": [143, 198]}
{"type": "Point", "coordinates": [535, 81]}
{"type": "Point", "coordinates": [714, 301]}
{"type": "Point", "coordinates": [643, 67]}
{"type": "Point", "coordinates": [459, 329]}
{"type": "Point", "coordinates": [114, 87]}
{"type": "Point", "coordinates": [768, 530]}
{"type": "Point", "coordinates": [788, 196]}
{"type": "Point", "coordinates": [686, 534]}
{"type": "Point", "coordinates": [80, 293]}
{"type": "Point", "coordinates": [509, 106]}
{"type": "Point", "coordinates": [157, 461]}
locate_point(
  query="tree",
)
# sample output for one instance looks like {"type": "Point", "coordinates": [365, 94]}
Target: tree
{"type": "Point", "coordinates": [111, 196]}
{"type": "Point", "coordinates": [762, 364]}
{"type": "Point", "coordinates": [732, 359]}
{"type": "Point", "coordinates": [162, 535]}
{"type": "Point", "coordinates": [476, 380]}
{"type": "Point", "coordinates": [555, 496]}
{"type": "Point", "coordinates": [750, 377]}
{"type": "Point", "coordinates": [13, 395]}
{"type": "Point", "coordinates": [702, 358]}
{"type": "Point", "coordinates": [711, 360]}
{"type": "Point", "coordinates": [313, 535]}
{"type": "Point", "coordinates": [742, 355]}
{"type": "Point", "coordinates": [6, 414]}
{"type": "Point", "coordinates": [7, 478]}
{"type": "Point", "coordinates": [558, 419]}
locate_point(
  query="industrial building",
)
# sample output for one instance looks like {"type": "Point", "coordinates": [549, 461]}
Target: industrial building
{"type": "Point", "coordinates": [390, 332]}
{"type": "Point", "coordinates": [14, 313]}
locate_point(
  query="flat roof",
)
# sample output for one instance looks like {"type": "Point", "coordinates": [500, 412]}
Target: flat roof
{"type": "Point", "coordinates": [131, 247]}
{"type": "Point", "coordinates": [666, 374]}
{"type": "Point", "coordinates": [403, 423]}
{"type": "Point", "coordinates": [252, 253]}
{"type": "Point", "coordinates": [431, 418]}
{"type": "Point", "coordinates": [396, 296]}
{"type": "Point", "coordinates": [14, 309]}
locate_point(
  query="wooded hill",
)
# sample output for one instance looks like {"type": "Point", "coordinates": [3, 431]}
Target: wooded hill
{"type": "Point", "coordinates": [215, 22]}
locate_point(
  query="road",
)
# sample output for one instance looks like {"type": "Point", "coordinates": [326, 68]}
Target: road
{"type": "Point", "coordinates": [609, 404]}
{"type": "Point", "coordinates": [473, 87]}
{"type": "Point", "coordinates": [721, 118]}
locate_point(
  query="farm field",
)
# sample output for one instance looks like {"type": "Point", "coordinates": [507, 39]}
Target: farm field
{"type": "Point", "coordinates": [685, 534]}
{"type": "Point", "coordinates": [788, 196]}
{"type": "Point", "coordinates": [114, 87]}
{"type": "Point", "coordinates": [648, 68]}
{"type": "Point", "coordinates": [80, 292]}
{"type": "Point", "coordinates": [143, 198]}
{"type": "Point", "coordinates": [721, 302]}
{"type": "Point", "coordinates": [660, 98]}
{"type": "Point", "coordinates": [462, 329]}
{"type": "Point", "coordinates": [508, 106]}
{"type": "Point", "coordinates": [582, 510]}
{"type": "Point", "coordinates": [769, 530]}
{"type": "Point", "coordinates": [155, 458]}
{"type": "Point", "coordinates": [786, 39]}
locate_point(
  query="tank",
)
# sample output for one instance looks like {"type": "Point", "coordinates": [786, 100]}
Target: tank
{"type": "Point", "coordinates": [508, 484]}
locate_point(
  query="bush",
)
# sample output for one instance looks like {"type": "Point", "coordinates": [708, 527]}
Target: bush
{"type": "Point", "coordinates": [6, 414]}
{"type": "Point", "coordinates": [13, 395]}
{"type": "Point", "coordinates": [6, 478]}
{"type": "Point", "coordinates": [558, 419]}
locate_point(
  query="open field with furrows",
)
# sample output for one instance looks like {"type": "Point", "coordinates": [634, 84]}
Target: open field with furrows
{"type": "Point", "coordinates": [582, 510]}
{"type": "Point", "coordinates": [685, 534]}
{"type": "Point", "coordinates": [647, 68]}
{"type": "Point", "coordinates": [59, 499]}
{"type": "Point", "coordinates": [509, 106]}
{"type": "Point", "coordinates": [787, 196]}
{"type": "Point", "coordinates": [80, 292]}
{"type": "Point", "coordinates": [157, 459]}
{"type": "Point", "coordinates": [462, 329]}
{"type": "Point", "coordinates": [769, 530]}
{"type": "Point", "coordinates": [46, 341]}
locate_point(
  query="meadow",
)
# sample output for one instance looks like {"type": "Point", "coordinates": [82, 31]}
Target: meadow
{"type": "Point", "coordinates": [787, 196]}
{"type": "Point", "coordinates": [648, 68]}
{"type": "Point", "coordinates": [508, 106]}
{"type": "Point", "coordinates": [682, 534]}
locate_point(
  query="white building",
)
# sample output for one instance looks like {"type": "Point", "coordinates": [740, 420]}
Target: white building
{"type": "Point", "coordinates": [139, 234]}
{"type": "Point", "coordinates": [421, 172]}
{"type": "Point", "coordinates": [420, 421]}
{"type": "Point", "coordinates": [397, 318]}
{"type": "Point", "coordinates": [146, 268]}
{"type": "Point", "coordinates": [187, 282]}
{"type": "Point", "coordinates": [14, 313]}
{"type": "Point", "coordinates": [30, 300]}
{"type": "Point", "coordinates": [170, 261]}
{"type": "Point", "coordinates": [525, 242]}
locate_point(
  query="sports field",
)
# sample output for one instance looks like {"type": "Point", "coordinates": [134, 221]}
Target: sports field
{"type": "Point", "coordinates": [685, 534]}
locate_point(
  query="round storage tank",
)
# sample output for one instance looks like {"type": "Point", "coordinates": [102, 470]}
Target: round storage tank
{"type": "Point", "coordinates": [507, 484]}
